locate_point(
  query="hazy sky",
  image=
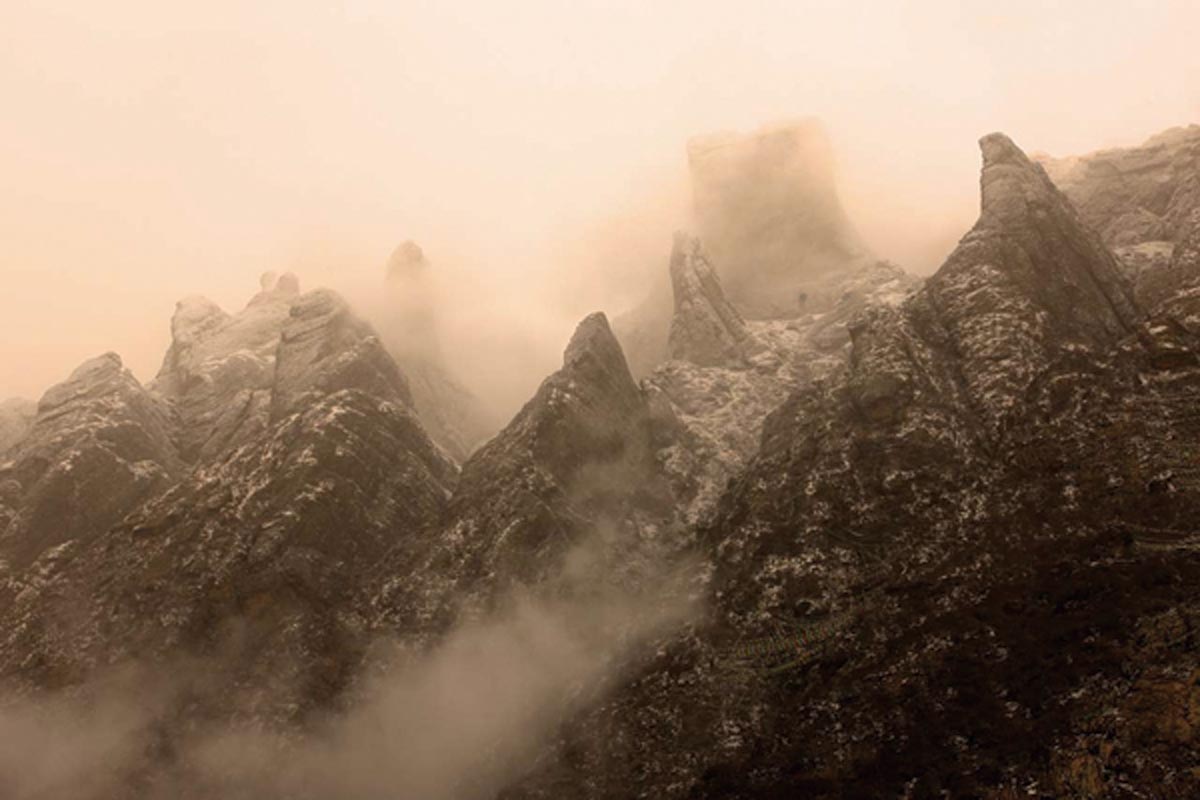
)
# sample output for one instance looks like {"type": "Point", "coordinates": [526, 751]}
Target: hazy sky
{"type": "Point", "coordinates": [151, 150]}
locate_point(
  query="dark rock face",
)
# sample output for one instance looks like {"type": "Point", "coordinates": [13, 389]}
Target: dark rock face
{"type": "Point", "coordinates": [1136, 194]}
{"type": "Point", "coordinates": [1173, 288]}
{"type": "Point", "coordinates": [1027, 281]}
{"type": "Point", "coordinates": [974, 502]}
{"type": "Point", "coordinates": [246, 568]}
{"type": "Point", "coordinates": [578, 456]}
{"type": "Point", "coordinates": [99, 444]}
{"type": "Point", "coordinates": [767, 208]}
{"type": "Point", "coordinates": [978, 505]}
{"type": "Point", "coordinates": [274, 537]}
{"type": "Point", "coordinates": [16, 418]}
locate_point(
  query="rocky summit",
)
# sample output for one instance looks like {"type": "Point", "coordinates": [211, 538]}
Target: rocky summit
{"type": "Point", "coordinates": [767, 210]}
{"type": "Point", "coordinates": [845, 533]}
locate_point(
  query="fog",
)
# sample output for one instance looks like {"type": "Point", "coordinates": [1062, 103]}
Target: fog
{"type": "Point", "coordinates": [460, 720]}
{"type": "Point", "coordinates": [535, 150]}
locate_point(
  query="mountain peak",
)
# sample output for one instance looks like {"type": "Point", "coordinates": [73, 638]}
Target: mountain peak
{"type": "Point", "coordinates": [406, 260]}
{"type": "Point", "coordinates": [593, 338]}
{"type": "Point", "coordinates": [1028, 280]}
{"type": "Point", "coordinates": [998, 148]}
{"type": "Point", "coordinates": [276, 287]}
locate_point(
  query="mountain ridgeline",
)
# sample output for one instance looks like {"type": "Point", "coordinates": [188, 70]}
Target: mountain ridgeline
{"type": "Point", "coordinates": [306, 542]}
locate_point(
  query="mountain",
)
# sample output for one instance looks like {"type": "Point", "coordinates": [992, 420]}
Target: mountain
{"type": "Point", "coordinates": [577, 462]}
{"type": "Point", "coordinates": [1142, 199]}
{"type": "Point", "coordinates": [992, 504]}
{"type": "Point", "coordinates": [244, 566]}
{"type": "Point", "coordinates": [726, 374]}
{"type": "Point", "coordinates": [217, 371]}
{"type": "Point", "coordinates": [901, 539]}
{"type": "Point", "coordinates": [1135, 195]}
{"type": "Point", "coordinates": [766, 207]}
{"type": "Point", "coordinates": [99, 444]}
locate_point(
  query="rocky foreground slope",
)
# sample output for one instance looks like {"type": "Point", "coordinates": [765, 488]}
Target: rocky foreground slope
{"type": "Point", "coordinates": [906, 540]}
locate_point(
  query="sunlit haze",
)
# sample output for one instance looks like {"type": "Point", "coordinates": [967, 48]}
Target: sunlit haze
{"type": "Point", "coordinates": [535, 150]}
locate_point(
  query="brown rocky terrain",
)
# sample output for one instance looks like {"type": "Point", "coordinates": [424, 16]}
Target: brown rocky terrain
{"type": "Point", "coordinates": [974, 499]}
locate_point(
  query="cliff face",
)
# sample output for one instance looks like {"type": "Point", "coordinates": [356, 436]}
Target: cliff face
{"type": "Point", "coordinates": [219, 367]}
{"type": "Point", "coordinates": [943, 533]}
{"type": "Point", "coordinates": [576, 465]}
{"type": "Point", "coordinates": [1134, 195]}
{"type": "Point", "coordinates": [99, 444]}
{"type": "Point", "coordinates": [1001, 459]}
{"type": "Point", "coordinates": [767, 207]}
{"type": "Point", "coordinates": [245, 565]}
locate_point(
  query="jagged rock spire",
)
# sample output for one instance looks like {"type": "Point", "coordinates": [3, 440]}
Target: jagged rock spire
{"type": "Point", "coordinates": [1056, 258]}
{"type": "Point", "coordinates": [1027, 282]}
{"type": "Point", "coordinates": [706, 329]}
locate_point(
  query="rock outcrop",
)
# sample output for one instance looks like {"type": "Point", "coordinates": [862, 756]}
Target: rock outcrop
{"type": "Point", "coordinates": [324, 348]}
{"type": "Point", "coordinates": [1172, 287]}
{"type": "Point", "coordinates": [972, 502]}
{"type": "Point", "coordinates": [767, 208]}
{"type": "Point", "coordinates": [706, 329]}
{"type": "Point", "coordinates": [1135, 195]}
{"type": "Point", "coordinates": [219, 368]}
{"type": "Point", "coordinates": [249, 566]}
{"type": "Point", "coordinates": [576, 463]}
{"type": "Point", "coordinates": [99, 445]}
{"type": "Point", "coordinates": [1029, 281]}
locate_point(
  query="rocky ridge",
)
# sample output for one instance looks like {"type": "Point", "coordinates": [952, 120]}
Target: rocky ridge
{"type": "Point", "coordinates": [576, 466]}
{"type": "Point", "coordinates": [977, 511]}
{"type": "Point", "coordinates": [99, 444]}
{"type": "Point", "coordinates": [985, 484]}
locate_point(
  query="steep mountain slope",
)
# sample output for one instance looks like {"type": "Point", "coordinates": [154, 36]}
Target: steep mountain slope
{"type": "Point", "coordinates": [240, 579]}
{"type": "Point", "coordinates": [1135, 195]}
{"type": "Point", "coordinates": [1145, 201]}
{"type": "Point", "coordinates": [946, 532]}
{"type": "Point", "coordinates": [575, 466]}
{"type": "Point", "coordinates": [994, 504]}
{"type": "Point", "coordinates": [100, 444]}
{"type": "Point", "coordinates": [725, 375]}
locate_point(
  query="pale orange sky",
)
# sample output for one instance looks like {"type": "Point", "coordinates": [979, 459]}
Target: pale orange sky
{"type": "Point", "coordinates": [535, 149]}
